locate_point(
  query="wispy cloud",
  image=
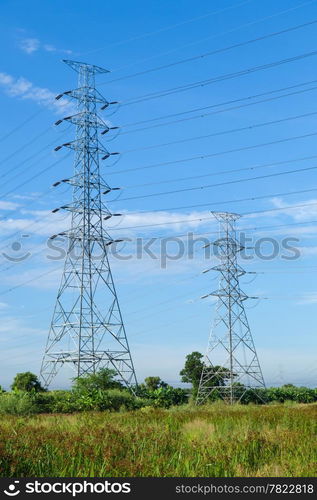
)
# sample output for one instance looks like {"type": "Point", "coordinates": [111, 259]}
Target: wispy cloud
{"type": "Point", "coordinates": [8, 205]}
{"type": "Point", "coordinates": [24, 89]}
{"type": "Point", "coordinates": [30, 45]}
{"type": "Point", "coordinates": [294, 210]}
{"type": "Point", "coordinates": [308, 298]}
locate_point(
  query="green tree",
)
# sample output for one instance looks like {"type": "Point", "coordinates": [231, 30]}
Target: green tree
{"type": "Point", "coordinates": [153, 383]}
{"type": "Point", "coordinates": [102, 380]}
{"type": "Point", "coordinates": [191, 372]}
{"type": "Point", "coordinates": [194, 365]}
{"type": "Point", "coordinates": [27, 382]}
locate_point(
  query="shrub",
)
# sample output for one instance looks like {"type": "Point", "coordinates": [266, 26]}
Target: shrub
{"type": "Point", "coordinates": [17, 404]}
{"type": "Point", "coordinates": [298, 394]}
{"type": "Point", "coordinates": [102, 380]}
{"type": "Point", "coordinates": [164, 397]}
{"type": "Point", "coordinates": [27, 382]}
{"type": "Point", "coordinates": [115, 399]}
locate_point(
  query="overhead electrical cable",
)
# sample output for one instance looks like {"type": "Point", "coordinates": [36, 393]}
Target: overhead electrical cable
{"type": "Point", "coordinates": [24, 146]}
{"type": "Point", "coordinates": [216, 51]}
{"type": "Point", "coordinates": [29, 281]}
{"type": "Point", "coordinates": [220, 78]}
{"type": "Point", "coordinates": [213, 203]}
{"type": "Point", "coordinates": [215, 35]}
{"type": "Point", "coordinates": [219, 111]}
{"type": "Point", "coordinates": [208, 186]}
{"type": "Point", "coordinates": [290, 207]}
{"type": "Point", "coordinates": [42, 171]}
{"type": "Point", "coordinates": [21, 125]}
{"type": "Point", "coordinates": [219, 153]}
{"type": "Point", "coordinates": [223, 132]}
{"type": "Point", "coordinates": [167, 28]}
{"type": "Point", "coordinates": [249, 229]}
{"type": "Point", "coordinates": [223, 103]}
{"type": "Point", "coordinates": [220, 172]}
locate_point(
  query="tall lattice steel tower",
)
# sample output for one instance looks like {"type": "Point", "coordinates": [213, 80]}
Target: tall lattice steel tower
{"type": "Point", "coordinates": [87, 330]}
{"type": "Point", "coordinates": [231, 364]}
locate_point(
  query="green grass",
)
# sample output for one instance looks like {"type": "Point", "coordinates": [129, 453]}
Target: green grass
{"type": "Point", "coordinates": [213, 441]}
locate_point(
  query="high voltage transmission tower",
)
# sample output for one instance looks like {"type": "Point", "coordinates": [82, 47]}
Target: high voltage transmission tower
{"type": "Point", "coordinates": [87, 330]}
{"type": "Point", "coordinates": [231, 364]}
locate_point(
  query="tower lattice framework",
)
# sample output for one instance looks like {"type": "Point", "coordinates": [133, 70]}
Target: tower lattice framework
{"type": "Point", "coordinates": [231, 364]}
{"type": "Point", "coordinates": [87, 330]}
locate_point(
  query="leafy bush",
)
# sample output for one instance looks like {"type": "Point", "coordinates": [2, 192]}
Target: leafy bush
{"type": "Point", "coordinates": [102, 380]}
{"type": "Point", "coordinates": [298, 394]}
{"type": "Point", "coordinates": [27, 382]}
{"type": "Point", "coordinates": [17, 404]}
{"type": "Point", "coordinates": [115, 399]}
{"type": "Point", "coordinates": [98, 400]}
{"type": "Point", "coordinates": [164, 397]}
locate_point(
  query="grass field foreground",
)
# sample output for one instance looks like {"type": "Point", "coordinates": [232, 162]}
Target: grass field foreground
{"type": "Point", "coordinates": [212, 441]}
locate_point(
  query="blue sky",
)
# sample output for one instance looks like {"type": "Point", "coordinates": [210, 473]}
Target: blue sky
{"type": "Point", "coordinates": [164, 317]}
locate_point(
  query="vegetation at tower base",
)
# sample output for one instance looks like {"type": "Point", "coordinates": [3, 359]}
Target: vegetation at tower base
{"type": "Point", "coordinates": [193, 368]}
{"type": "Point", "coordinates": [26, 382]}
{"type": "Point", "coordinates": [102, 391]}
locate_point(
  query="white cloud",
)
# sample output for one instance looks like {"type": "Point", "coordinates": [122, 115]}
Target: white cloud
{"type": "Point", "coordinates": [48, 225]}
{"type": "Point", "coordinates": [308, 298]}
{"type": "Point", "coordinates": [29, 196]}
{"type": "Point", "coordinates": [161, 221]}
{"type": "Point", "coordinates": [166, 221]}
{"type": "Point", "coordinates": [30, 45]}
{"type": "Point", "coordinates": [24, 89]}
{"type": "Point", "coordinates": [8, 205]}
{"type": "Point", "coordinates": [49, 48]}
{"type": "Point", "coordinates": [295, 210]}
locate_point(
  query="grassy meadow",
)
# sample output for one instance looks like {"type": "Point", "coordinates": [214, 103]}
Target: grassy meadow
{"type": "Point", "coordinates": [211, 441]}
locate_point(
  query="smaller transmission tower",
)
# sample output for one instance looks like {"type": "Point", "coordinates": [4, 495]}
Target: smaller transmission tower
{"type": "Point", "coordinates": [231, 364]}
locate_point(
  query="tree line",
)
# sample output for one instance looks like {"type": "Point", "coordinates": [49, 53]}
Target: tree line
{"type": "Point", "coordinates": [102, 391]}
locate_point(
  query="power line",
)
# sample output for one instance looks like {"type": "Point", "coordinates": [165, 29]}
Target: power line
{"type": "Point", "coordinates": [166, 28]}
{"type": "Point", "coordinates": [33, 200]}
{"type": "Point", "coordinates": [22, 163]}
{"type": "Point", "coordinates": [28, 180]}
{"type": "Point", "coordinates": [253, 198]}
{"type": "Point", "coordinates": [211, 155]}
{"type": "Point", "coordinates": [14, 264]}
{"type": "Point", "coordinates": [223, 33]}
{"type": "Point", "coordinates": [37, 174]}
{"type": "Point", "coordinates": [220, 172]}
{"type": "Point", "coordinates": [215, 52]}
{"type": "Point", "coordinates": [18, 127]}
{"type": "Point", "coordinates": [209, 81]}
{"type": "Point", "coordinates": [232, 108]}
{"type": "Point", "coordinates": [223, 132]}
{"type": "Point", "coordinates": [16, 151]}
{"type": "Point", "coordinates": [223, 103]}
{"type": "Point", "coordinates": [249, 229]}
{"type": "Point", "coordinates": [208, 186]}
{"type": "Point", "coordinates": [29, 281]}
{"type": "Point", "coordinates": [290, 207]}
{"type": "Point", "coordinates": [40, 219]}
